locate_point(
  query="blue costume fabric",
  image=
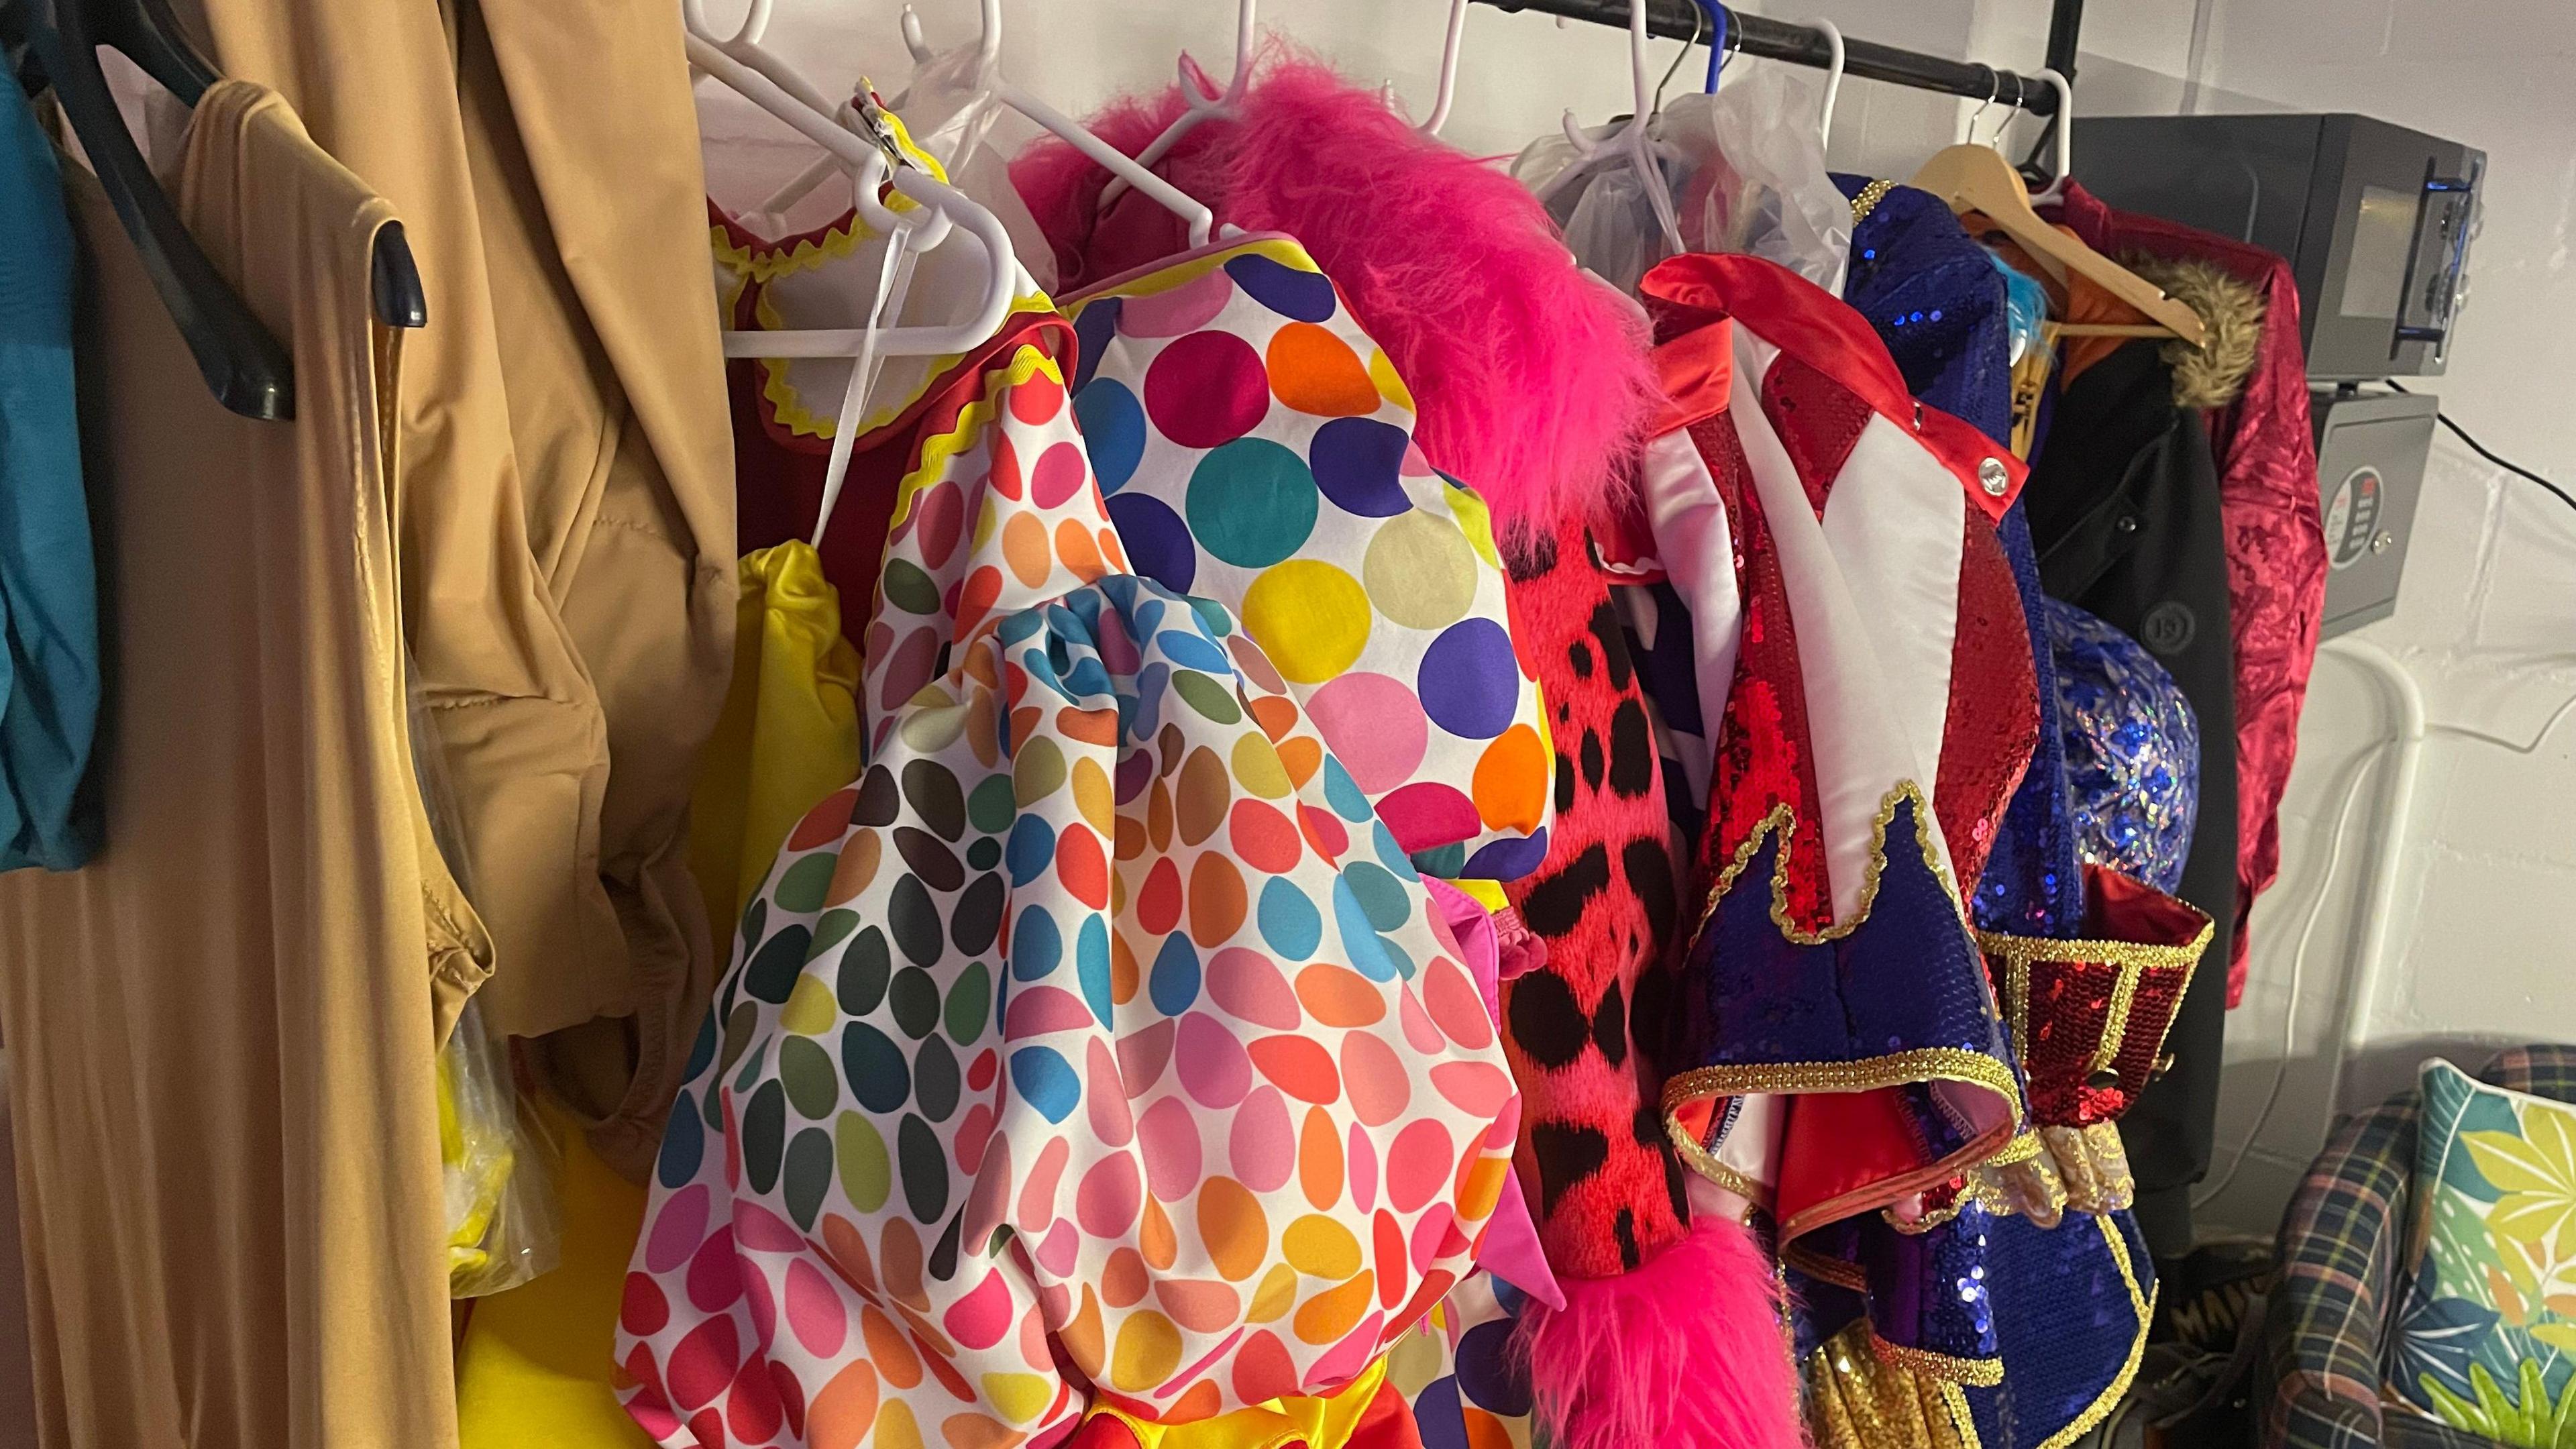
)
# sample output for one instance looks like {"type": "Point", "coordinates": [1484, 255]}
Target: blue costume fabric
{"type": "Point", "coordinates": [2132, 748]}
{"type": "Point", "coordinates": [2052, 1318]}
{"type": "Point", "coordinates": [49, 669]}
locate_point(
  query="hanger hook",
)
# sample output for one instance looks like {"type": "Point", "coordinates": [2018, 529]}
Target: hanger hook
{"type": "Point", "coordinates": [1994, 88]}
{"type": "Point", "coordinates": [1641, 99]}
{"type": "Point", "coordinates": [1718, 21]}
{"type": "Point", "coordinates": [2062, 130]}
{"type": "Point", "coordinates": [1833, 77]}
{"type": "Point", "coordinates": [1678, 57]}
{"type": "Point", "coordinates": [1448, 88]}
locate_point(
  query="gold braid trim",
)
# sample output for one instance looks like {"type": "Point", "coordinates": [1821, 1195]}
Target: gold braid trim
{"type": "Point", "coordinates": [1869, 198]}
{"type": "Point", "coordinates": [1823, 1269]}
{"type": "Point", "coordinates": [2146, 956]}
{"type": "Point", "coordinates": [1855, 1400]}
{"type": "Point", "coordinates": [1905, 1068]}
{"type": "Point", "coordinates": [2115, 1019]}
{"type": "Point", "coordinates": [2133, 958]}
{"type": "Point", "coordinates": [1976, 1186]}
{"type": "Point", "coordinates": [1897, 1069]}
{"type": "Point", "coordinates": [2017, 1005]}
{"type": "Point", "coordinates": [1983, 1373]}
{"type": "Point", "coordinates": [1702, 1161]}
{"type": "Point", "coordinates": [2021, 1149]}
{"type": "Point", "coordinates": [1955, 1399]}
{"type": "Point", "coordinates": [1783, 821]}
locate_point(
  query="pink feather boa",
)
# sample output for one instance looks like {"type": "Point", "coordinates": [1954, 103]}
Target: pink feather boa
{"type": "Point", "coordinates": [1531, 376]}
{"type": "Point", "coordinates": [1686, 1351]}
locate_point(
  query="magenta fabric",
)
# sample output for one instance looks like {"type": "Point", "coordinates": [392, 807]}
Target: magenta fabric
{"type": "Point", "coordinates": [2276, 547]}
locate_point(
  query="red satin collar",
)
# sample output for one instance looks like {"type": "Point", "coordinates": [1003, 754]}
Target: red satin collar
{"type": "Point", "coordinates": [1694, 298]}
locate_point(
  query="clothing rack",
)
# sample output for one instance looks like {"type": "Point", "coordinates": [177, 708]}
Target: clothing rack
{"type": "Point", "coordinates": [1786, 40]}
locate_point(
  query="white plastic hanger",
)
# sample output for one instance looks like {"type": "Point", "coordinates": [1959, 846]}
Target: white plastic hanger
{"type": "Point", "coordinates": [1448, 91]}
{"type": "Point", "coordinates": [1123, 171]}
{"type": "Point", "coordinates": [740, 63]}
{"type": "Point", "coordinates": [988, 49]}
{"type": "Point", "coordinates": [942, 206]}
{"type": "Point", "coordinates": [1833, 78]}
{"type": "Point", "coordinates": [2062, 131]}
{"type": "Point", "coordinates": [1633, 142]}
{"type": "Point", "coordinates": [1199, 106]}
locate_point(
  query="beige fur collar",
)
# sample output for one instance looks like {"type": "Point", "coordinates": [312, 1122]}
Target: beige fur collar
{"type": "Point", "coordinates": [2211, 375]}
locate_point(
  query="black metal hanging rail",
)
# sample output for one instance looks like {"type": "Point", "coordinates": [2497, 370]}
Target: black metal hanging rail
{"type": "Point", "coordinates": [1786, 40]}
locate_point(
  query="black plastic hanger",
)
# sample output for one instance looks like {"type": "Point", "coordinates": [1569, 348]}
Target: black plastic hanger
{"type": "Point", "coordinates": [248, 371]}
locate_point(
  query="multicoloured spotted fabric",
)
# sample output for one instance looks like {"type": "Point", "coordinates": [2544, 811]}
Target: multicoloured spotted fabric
{"type": "Point", "coordinates": [1256, 448]}
{"type": "Point", "coordinates": [1467, 1387]}
{"type": "Point", "coordinates": [1099, 1042]}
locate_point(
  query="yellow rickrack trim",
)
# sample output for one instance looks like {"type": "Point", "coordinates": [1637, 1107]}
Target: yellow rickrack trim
{"type": "Point", "coordinates": [1955, 1399]}
{"type": "Point", "coordinates": [767, 261]}
{"type": "Point", "coordinates": [901, 134]}
{"type": "Point", "coordinates": [1869, 198]}
{"type": "Point", "coordinates": [2133, 959]}
{"type": "Point", "coordinates": [789, 405]}
{"type": "Point", "coordinates": [1784, 821]}
{"type": "Point", "coordinates": [1983, 1373]}
{"type": "Point", "coordinates": [1028, 360]}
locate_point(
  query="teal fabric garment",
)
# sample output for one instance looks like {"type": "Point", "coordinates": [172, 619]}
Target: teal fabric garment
{"type": "Point", "coordinates": [49, 670]}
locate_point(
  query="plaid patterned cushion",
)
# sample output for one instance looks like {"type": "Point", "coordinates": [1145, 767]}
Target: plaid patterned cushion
{"type": "Point", "coordinates": [2543, 1071]}
{"type": "Point", "coordinates": [2338, 1283]}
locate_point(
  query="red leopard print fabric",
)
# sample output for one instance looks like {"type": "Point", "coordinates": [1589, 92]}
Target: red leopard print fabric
{"type": "Point", "coordinates": [1592, 1139]}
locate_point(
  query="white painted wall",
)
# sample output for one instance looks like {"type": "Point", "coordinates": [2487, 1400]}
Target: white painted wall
{"type": "Point", "coordinates": [2482, 950]}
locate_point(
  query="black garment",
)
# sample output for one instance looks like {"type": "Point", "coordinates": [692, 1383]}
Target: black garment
{"type": "Point", "coordinates": [2123, 502]}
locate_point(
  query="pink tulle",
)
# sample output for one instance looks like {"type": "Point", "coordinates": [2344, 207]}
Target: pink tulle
{"type": "Point", "coordinates": [1531, 376]}
{"type": "Point", "coordinates": [1684, 1352]}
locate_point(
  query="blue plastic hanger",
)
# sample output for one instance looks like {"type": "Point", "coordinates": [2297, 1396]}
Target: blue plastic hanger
{"type": "Point", "coordinates": [1717, 48]}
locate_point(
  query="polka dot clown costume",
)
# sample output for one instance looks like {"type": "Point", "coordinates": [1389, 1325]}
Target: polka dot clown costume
{"type": "Point", "coordinates": [1099, 1051]}
{"type": "Point", "coordinates": [1256, 448]}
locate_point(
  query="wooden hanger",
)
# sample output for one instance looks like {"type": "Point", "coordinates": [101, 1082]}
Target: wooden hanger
{"type": "Point", "coordinates": [1978, 178]}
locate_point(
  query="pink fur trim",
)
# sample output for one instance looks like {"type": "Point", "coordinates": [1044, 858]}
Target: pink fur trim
{"type": "Point", "coordinates": [1685, 1352]}
{"type": "Point", "coordinates": [1531, 376]}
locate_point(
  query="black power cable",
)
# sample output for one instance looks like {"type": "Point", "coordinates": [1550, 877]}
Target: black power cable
{"type": "Point", "coordinates": [2483, 451]}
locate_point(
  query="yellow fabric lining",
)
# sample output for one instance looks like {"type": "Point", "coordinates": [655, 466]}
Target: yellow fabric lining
{"type": "Point", "coordinates": [1322, 1422]}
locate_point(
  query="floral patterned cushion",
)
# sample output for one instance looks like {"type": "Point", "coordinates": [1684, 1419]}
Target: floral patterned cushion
{"type": "Point", "coordinates": [2486, 1338]}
